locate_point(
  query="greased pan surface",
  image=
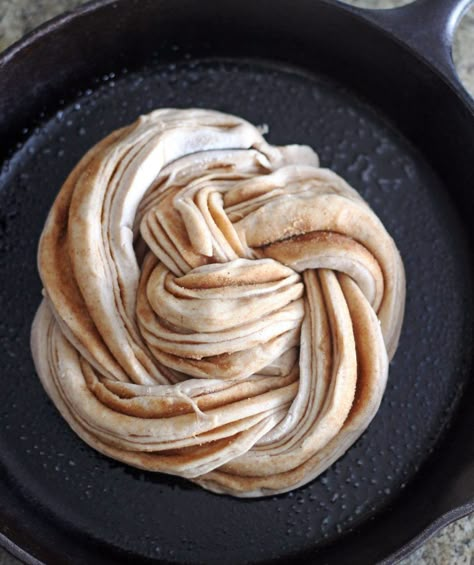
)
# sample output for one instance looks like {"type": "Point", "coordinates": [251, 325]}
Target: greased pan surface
{"type": "Point", "coordinates": [63, 502]}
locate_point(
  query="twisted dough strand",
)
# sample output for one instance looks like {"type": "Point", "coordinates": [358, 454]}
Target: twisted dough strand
{"type": "Point", "coordinates": [215, 307]}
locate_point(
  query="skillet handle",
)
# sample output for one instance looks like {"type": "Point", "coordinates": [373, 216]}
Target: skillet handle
{"type": "Point", "coordinates": [427, 27]}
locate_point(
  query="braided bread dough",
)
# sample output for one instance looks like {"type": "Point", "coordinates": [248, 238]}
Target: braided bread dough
{"type": "Point", "coordinates": [215, 307]}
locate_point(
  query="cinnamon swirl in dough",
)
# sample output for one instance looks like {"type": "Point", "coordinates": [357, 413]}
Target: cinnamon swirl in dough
{"type": "Point", "coordinates": [215, 307]}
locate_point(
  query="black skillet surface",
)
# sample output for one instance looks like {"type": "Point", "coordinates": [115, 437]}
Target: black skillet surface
{"type": "Point", "coordinates": [316, 73]}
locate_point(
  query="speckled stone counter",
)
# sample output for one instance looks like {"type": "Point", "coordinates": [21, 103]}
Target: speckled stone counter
{"type": "Point", "coordinates": [454, 545]}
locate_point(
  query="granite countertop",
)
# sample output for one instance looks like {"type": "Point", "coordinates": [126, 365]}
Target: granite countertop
{"type": "Point", "coordinates": [454, 545]}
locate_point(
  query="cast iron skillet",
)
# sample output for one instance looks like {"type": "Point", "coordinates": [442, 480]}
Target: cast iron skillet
{"type": "Point", "coordinates": [375, 93]}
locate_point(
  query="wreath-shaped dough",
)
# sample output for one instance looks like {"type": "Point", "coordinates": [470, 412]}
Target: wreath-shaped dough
{"type": "Point", "coordinates": [215, 307]}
